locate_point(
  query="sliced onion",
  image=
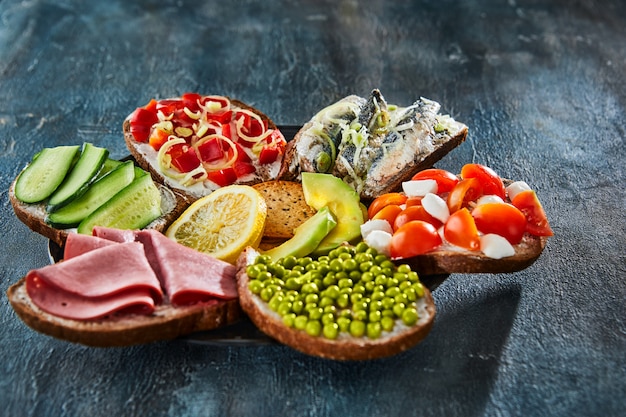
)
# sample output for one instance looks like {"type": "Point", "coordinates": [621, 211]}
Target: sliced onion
{"type": "Point", "coordinates": [419, 188]}
{"type": "Point", "coordinates": [373, 225]}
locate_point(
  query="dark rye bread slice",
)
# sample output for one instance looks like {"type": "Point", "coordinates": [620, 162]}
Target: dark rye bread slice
{"type": "Point", "coordinates": [345, 347]}
{"type": "Point", "coordinates": [34, 215]}
{"type": "Point", "coordinates": [145, 156]}
{"type": "Point", "coordinates": [458, 261]}
{"type": "Point", "coordinates": [166, 323]}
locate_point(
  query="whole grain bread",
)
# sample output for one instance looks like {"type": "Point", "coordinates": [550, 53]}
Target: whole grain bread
{"type": "Point", "coordinates": [345, 347]}
{"type": "Point", "coordinates": [167, 322]}
{"type": "Point", "coordinates": [34, 215]}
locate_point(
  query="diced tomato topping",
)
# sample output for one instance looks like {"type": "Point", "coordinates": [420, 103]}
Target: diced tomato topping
{"type": "Point", "coordinates": [184, 158]}
{"type": "Point", "coordinates": [157, 138]}
{"type": "Point", "coordinates": [223, 177]}
{"type": "Point", "coordinates": [536, 219]}
{"type": "Point", "coordinates": [502, 219]}
{"type": "Point", "coordinates": [169, 106]}
{"type": "Point", "coordinates": [211, 150]}
{"type": "Point", "coordinates": [151, 106]}
{"type": "Point", "coordinates": [489, 180]}
{"type": "Point", "coordinates": [242, 156]}
{"type": "Point", "coordinates": [445, 179]}
{"type": "Point", "coordinates": [228, 131]}
{"type": "Point", "coordinates": [141, 122]}
{"type": "Point", "coordinates": [222, 116]}
{"type": "Point", "coordinates": [190, 100]}
{"type": "Point", "coordinates": [243, 168]}
{"type": "Point", "coordinates": [268, 155]}
{"type": "Point", "coordinates": [388, 213]}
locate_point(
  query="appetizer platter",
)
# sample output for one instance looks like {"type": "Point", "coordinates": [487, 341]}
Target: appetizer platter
{"type": "Point", "coordinates": [222, 227]}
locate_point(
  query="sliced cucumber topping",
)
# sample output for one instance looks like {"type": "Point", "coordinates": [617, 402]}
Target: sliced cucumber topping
{"type": "Point", "coordinates": [96, 195]}
{"type": "Point", "coordinates": [132, 208]}
{"type": "Point", "coordinates": [45, 173]}
{"type": "Point", "coordinates": [82, 174]}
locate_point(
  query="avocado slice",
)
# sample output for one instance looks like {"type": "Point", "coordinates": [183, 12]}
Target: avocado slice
{"type": "Point", "coordinates": [322, 190]}
{"type": "Point", "coordinates": [306, 237]}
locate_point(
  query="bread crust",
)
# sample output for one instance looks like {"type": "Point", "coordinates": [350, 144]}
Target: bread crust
{"type": "Point", "coordinates": [166, 323]}
{"type": "Point", "coordinates": [345, 348]}
{"type": "Point", "coordinates": [134, 149]}
{"type": "Point", "coordinates": [34, 215]}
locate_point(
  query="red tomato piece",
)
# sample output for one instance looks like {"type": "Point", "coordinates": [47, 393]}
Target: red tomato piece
{"type": "Point", "coordinates": [463, 192]}
{"type": "Point", "coordinates": [413, 201]}
{"type": "Point", "coordinates": [445, 179]}
{"type": "Point", "coordinates": [211, 150]}
{"type": "Point", "coordinates": [385, 200]}
{"type": "Point", "coordinates": [169, 106]}
{"type": "Point", "coordinates": [157, 138]}
{"type": "Point", "coordinates": [502, 219]}
{"type": "Point", "coordinates": [460, 230]}
{"type": "Point", "coordinates": [141, 122]}
{"type": "Point", "coordinates": [222, 117]}
{"type": "Point", "coordinates": [191, 100]}
{"type": "Point", "coordinates": [388, 213]}
{"type": "Point", "coordinates": [243, 168]}
{"type": "Point", "coordinates": [187, 160]}
{"type": "Point", "coordinates": [490, 181]}
{"type": "Point", "coordinates": [242, 156]}
{"type": "Point", "coordinates": [268, 155]}
{"type": "Point", "coordinates": [536, 220]}
{"type": "Point", "coordinates": [223, 177]}
{"type": "Point", "coordinates": [414, 213]}
{"type": "Point", "coordinates": [414, 238]}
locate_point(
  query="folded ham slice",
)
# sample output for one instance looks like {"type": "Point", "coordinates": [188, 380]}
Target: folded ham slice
{"type": "Point", "coordinates": [116, 235]}
{"type": "Point", "coordinates": [76, 244]}
{"type": "Point", "coordinates": [112, 279]}
{"type": "Point", "coordinates": [187, 275]}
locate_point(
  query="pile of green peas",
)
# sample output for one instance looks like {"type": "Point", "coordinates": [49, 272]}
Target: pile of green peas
{"type": "Point", "coordinates": [353, 289]}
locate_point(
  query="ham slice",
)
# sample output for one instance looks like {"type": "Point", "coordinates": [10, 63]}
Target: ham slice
{"type": "Point", "coordinates": [76, 244]}
{"type": "Point", "coordinates": [116, 235]}
{"type": "Point", "coordinates": [112, 279]}
{"type": "Point", "coordinates": [188, 276]}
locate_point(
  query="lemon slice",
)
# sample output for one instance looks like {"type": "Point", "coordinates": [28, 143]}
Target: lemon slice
{"type": "Point", "coordinates": [222, 223]}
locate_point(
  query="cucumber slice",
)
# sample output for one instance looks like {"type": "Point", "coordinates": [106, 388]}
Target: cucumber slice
{"type": "Point", "coordinates": [132, 208]}
{"type": "Point", "coordinates": [108, 166]}
{"type": "Point", "coordinates": [45, 173]}
{"type": "Point", "coordinates": [96, 195]}
{"type": "Point", "coordinates": [84, 172]}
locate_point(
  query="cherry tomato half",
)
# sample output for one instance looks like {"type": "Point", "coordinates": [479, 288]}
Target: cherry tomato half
{"type": "Point", "coordinates": [465, 191]}
{"type": "Point", "coordinates": [489, 180]}
{"type": "Point", "coordinates": [414, 213]}
{"type": "Point", "coordinates": [385, 200]}
{"type": "Point", "coordinates": [388, 213]}
{"type": "Point", "coordinates": [536, 219]}
{"type": "Point", "coordinates": [414, 238]}
{"type": "Point", "coordinates": [502, 219]}
{"type": "Point", "coordinates": [445, 179]}
{"type": "Point", "coordinates": [460, 230]}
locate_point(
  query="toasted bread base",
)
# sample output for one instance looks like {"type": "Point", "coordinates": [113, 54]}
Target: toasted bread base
{"type": "Point", "coordinates": [34, 215]}
{"type": "Point", "coordinates": [166, 323]}
{"type": "Point", "coordinates": [345, 347]}
{"type": "Point", "coordinates": [473, 262]}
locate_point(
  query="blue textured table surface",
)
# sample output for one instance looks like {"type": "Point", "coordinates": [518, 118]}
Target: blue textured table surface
{"type": "Point", "coordinates": [542, 87]}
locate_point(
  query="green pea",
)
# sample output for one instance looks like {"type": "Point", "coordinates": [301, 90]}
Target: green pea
{"type": "Point", "coordinates": [361, 247]}
{"type": "Point", "coordinates": [312, 299]}
{"type": "Point", "coordinates": [398, 309]}
{"type": "Point", "coordinates": [329, 280]}
{"type": "Point", "coordinates": [309, 288]}
{"type": "Point", "coordinates": [388, 264]}
{"type": "Point", "coordinates": [331, 330]}
{"type": "Point", "coordinates": [419, 289]}
{"type": "Point", "coordinates": [284, 308]}
{"type": "Point", "coordinates": [345, 282]}
{"type": "Point", "coordinates": [255, 286]}
{"type": "Point", "coordinates": [379, 259]}
{"type": "Point", "coordinates": [289, 320]}
{"type": "Point", "coordinates": [357, 328]}
{"type": "Point", "coordinates": [372, 251]}
{"type": "Point", "coordinates": [388, 313]}
{"type": "Point", "coordinates": [293, 283]}
{"type": "Point", "coordinates": [279, 271]}
{"type": "Point", "coordinates": [401, 298]}
{"type": "Point", "coordinates": [316, 313]}
{"type": "Point", "coordinates": [266, 293]}
{"type": "Point", "coordinates": [359, 315]}
{"type": "Point", "coordinates": [344, 256]}
{"type": "Point", "coordinates": [343, 300]}
{"type": "Point", "coordinates": [376, 305]}
{"type": "Point", "coordinates": [350, 264]}
{"type": "Point", "coordinates": [307, 260]}
{"type": "Point", "coordinates": [375, 316]}
{"type": "Point", "coordinates": [333, 292]}
{"type": "Point", "coordinates": [330, 309]}
{"type": "Point", "coordinates": [293, 274]}
{"type": "Point", "coordinates": [381, 280]}
{"type": "Point", "coordinates": [289, 262]}
{"type": "Point", "coordinates": [336, 265]}
{"type": "Point", "coordinates": [313, 328]}
{"type": "Point", "coordinates": [378, 295]}
{"type": "Point", "coordinates": [275, 302]}
{"type": "Point", "coordinates": [392, 292]}
{"type": "Point", "coordinates": [367, 276]}
{"type": "Point", "coordinates": [404, 269]}
{"type": "Point", "coordinates": [324, 259]}
{"type": "Point", "coordinates": [376, 270]}
{"type": "Point", "coordinates": [370, 286]}
{"type": "Point", "coordinates": [263, 259]}
{"type": "Point", "coordinates": [404, 285]}
{"type": "Point", "coordinates": [344, 324]}
{"type": "Point", "coordinates": [297, 306]}
{"type": "Point", "coordinates": [359, 305]}
{"type": "Point", "coordinates": [354, 275]}
{"type": "Point", "coordinates": [413, 277]}
{"type": "Point", "coordinates": [410, 316]}
{"type": "Point", "coordinates": [387, 323]}
{"type": "Point", "coordinates": [392, 282]}
{"type": "Point", "coordinates": [326, 301]}
{"type": "Point", "coordinates": [410, 294]}
{"type": "Point", "coordinates": [328, 318]}
{"type": "Point", "coordinates": [300, 322]}
{"type": "Point", "coordinates": [252, 271]}
{"type": "Point", "coordinates": [388, 302]}
{"type": "Point", "coordinates": [374, 330]}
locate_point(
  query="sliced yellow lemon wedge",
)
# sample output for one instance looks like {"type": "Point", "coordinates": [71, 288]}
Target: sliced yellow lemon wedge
{"type": "Point", "coordinates": [222, 223]}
